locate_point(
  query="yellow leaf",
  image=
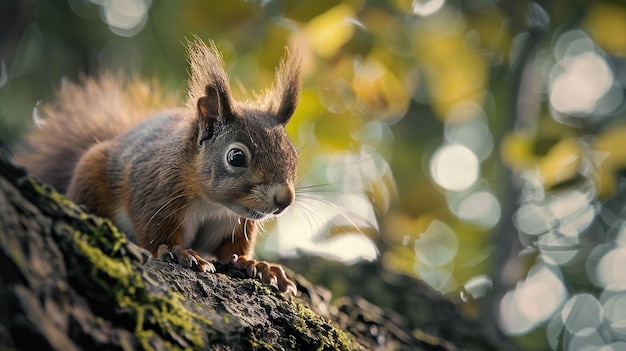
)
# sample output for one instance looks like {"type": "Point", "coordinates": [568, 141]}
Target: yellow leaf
{"type": "Point", "coordinates": [561, 163]}
{"type": "Point", "coordinates": [607, 24]}
{"type": "Point", "coordinates": [489, 25]}
{"type": "Point", "coordinates": [380, 94]}
{"type": "Point", "coordinates": [609, 157]}
{"type": "Point", "coordinates": [517, 151]}
{"type": "Point", "coordinates": [328, 32]}
{"type": "Point", "coordinates": [454, 72]}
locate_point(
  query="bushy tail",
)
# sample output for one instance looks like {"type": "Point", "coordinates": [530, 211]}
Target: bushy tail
{"type": "Point", "coordinates": [83, 114]}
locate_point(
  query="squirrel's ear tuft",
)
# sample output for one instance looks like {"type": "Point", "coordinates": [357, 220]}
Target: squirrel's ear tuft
{"type": "Point", "coordinates": [287, 86]}
{"type": "Point", "coordinates": [208, 89]}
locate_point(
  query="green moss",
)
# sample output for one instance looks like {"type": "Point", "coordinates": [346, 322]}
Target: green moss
{"type": "Point", "coordinates": [258, 344]}
{"type": "Point", "coordinates": [57, 198]}
{"type": "Point", "coordinates": [330, 337]}
{"type": "Point", "coordinates": [121, 280]}
{"type": "Point", "coordinates": [104, 252]}
{"type": "Point", "coordinates": [106, 235]}
{"type": "Point", "coordinates": [308, 322]}
{"type": "Point", "coordinates": [226, 318]}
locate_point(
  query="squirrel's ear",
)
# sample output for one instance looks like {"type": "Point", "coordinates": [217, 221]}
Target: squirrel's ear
{"type": "Point", "coordinates": [208, 92]}
{"type": "Point", "coordinates": [209, 111]}
{"type": "Point", "coordinates": [288, 86]}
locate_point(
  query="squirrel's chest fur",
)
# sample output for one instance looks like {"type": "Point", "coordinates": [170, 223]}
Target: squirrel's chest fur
{"type": "Point", "coordinates": [205, 225]}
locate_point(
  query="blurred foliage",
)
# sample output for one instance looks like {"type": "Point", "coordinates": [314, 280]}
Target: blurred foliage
{"type": "Point", "coordinates": [477, 145]}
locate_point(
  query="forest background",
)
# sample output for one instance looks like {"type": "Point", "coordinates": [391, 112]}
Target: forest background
{"type": "Point", "coordinates": [475, 145]}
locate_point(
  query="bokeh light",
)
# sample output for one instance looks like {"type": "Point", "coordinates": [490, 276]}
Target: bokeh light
{"type": "Point", "coordinates": [533, 219]}
{"type": "Point", "coordinates": [480, 208]}
{"type": "Point", "coordinates": [454, 167]}
{"type": "Point", "coordinates": [533, 301]}
{"type": "Point", "coordinates": [124, 17]}
{"type": "Point", "coordinates": [478, 286]}
{"type": "Point", "coordinates": [437, 277]}
{"type": "Point", "coordinates": [615, 313]}
{"type": "Point", "coordinates": [347, 248]}
{"type": "Point", "coordinates": [466, 124]}
{"type": "Point", "coordinates": [585, 79]}
{"type": "Point", "coordinates": [582, 314]}
{"type": "Point", "coordinates": [426, 7]}
{"type": "Point", "coordinates": [609, 271]}
{"type": "Point", "coordinates": [582, 82]}
{"type": "Point", "coordinates": [437, 246]}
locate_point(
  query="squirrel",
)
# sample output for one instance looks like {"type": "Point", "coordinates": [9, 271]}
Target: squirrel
{"type": "Point", "coordinates": [188, 183]}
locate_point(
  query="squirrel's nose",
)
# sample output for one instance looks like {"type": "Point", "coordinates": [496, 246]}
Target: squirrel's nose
{"type": "Point", "coordinates": [283, 197]}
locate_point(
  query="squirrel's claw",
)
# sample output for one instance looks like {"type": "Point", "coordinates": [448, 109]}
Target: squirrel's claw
{"type": "Point", "coordinates": [268, 273]}
{"type": "Point", "coordinates": [164, 254]}
{"type": "Point", "coordinates": [284, 284]}
{"type": "Point", "coordinates": [186, 258]}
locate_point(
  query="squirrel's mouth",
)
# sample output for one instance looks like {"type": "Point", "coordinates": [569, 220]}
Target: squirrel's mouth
{"type": "Point", "coordinates": [248, 212]}
{"type": "Point", "coordinates": [256, 214]}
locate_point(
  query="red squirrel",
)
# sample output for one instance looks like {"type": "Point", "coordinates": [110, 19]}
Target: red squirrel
{"type": "Point", "coordinates": [189, 182]}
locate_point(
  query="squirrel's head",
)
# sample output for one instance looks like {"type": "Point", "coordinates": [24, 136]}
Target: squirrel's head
{"type": "Point", "coordinates": [245, 159]}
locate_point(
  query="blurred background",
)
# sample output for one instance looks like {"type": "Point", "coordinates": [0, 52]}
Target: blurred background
{"type": "Point", "coordinates": [478, 146]}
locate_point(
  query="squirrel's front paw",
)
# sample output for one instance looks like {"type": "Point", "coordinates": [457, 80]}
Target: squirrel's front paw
{"type": "Point", "coordinates": [185, 258]}
{"type": "Point", "coordinates": [268, 273]}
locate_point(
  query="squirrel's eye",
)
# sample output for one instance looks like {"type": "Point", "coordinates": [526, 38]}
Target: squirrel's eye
{"type": "Point", "coordinates": [236, 158]}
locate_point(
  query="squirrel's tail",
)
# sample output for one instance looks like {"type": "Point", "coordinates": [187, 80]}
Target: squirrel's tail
{"type": "Point", "coordinates": [84, 114]}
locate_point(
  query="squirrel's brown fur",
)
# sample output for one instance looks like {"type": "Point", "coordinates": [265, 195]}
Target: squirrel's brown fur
{"type": "Point", "coordinates": [82, 115]}
{"type": "Point", "coordinates": [195, 177]}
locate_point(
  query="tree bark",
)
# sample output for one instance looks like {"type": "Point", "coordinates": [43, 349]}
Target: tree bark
{"type": "Point", "coordinates": [71, 281]}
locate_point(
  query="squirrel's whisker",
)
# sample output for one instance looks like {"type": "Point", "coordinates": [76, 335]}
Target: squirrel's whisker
{"type": "Point", "coordinates": [304, 213]}
{"type": "Point", "coordinates": [310, 175]}
{"type": "Point", "coordinates": [184, 219]}
{"type": "Point", "coordinates": [261, 225]}
{"type": "Point", "coordinates": [245, 229]}
{"type": "Point", "coordinates": [163, 206]}
{"type": "Point", "coordinates": [171, 213]}
{"type": "Point", "coordinates": [302, 149]}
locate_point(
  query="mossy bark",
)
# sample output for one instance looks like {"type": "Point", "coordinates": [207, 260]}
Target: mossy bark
{"type": "Point", "coordinates": [71, 281]}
